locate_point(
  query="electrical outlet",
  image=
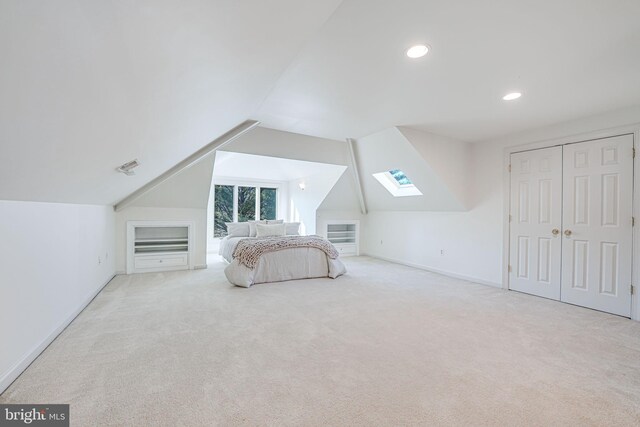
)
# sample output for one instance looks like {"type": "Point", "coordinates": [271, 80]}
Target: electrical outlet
{"type": "Point", "coordinates": [441, 252]}
{"type": "Point", "coordinates": [99, 260]}
{"type": "Point", "coordinates": [380, 241]}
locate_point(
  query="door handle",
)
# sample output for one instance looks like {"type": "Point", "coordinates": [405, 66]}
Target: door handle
{"type": "Point", "coordinates": [555, 231]}
{"type": "Point", "coordinates": [567, 233]}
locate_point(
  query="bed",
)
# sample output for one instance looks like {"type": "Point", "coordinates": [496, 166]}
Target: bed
{"type": "Point", "coordinates": [282, 263]}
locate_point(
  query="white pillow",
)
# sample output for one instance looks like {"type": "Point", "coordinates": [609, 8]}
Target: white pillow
{"type": "Point", "coordinates": [264, 230]}
{"type": "Point", "coordinates": [237, 229]}
{"type": "Point", "coordinates": [275, 221]}
{"type": "Point", "coordinates": [252, 227]}
{"type": "Point", "coordinates": [292, 228]}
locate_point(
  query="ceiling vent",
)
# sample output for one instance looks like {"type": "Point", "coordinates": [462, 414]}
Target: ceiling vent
{"type": "Point", "coordinates": [128, 167]}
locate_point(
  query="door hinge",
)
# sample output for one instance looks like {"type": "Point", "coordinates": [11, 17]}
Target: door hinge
{"type": "Point", "coordinates": [634, 152]}
{"type": "Point", "coordinates": [632, 290]}
{"type": "Point", "coordinates": [633, 221]}
{"type": "Point", "coordinates": [509, 218]}
{"type": "Point", "coordinates": [509, 268]}
{"type": "Point", "coordinates": [509, 168]}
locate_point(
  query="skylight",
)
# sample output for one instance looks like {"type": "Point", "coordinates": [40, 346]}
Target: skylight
{"type": "Point", "coordinates": [400, 176]}
{"type": "Point", "coordinates": [397, 183]}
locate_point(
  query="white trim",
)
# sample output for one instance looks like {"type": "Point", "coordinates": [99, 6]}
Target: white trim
{"type": "Point", "coordinates": [633, 129]}
{"type": "Point", "coordinates": [281, 186]}
{"type": "Point", "coordinates": [355, 222]}
{"type": "Point", "coordinates": [438, 271]}
{"type": "Point", "coordinates": [234, 215]}
{"type": "Point", "coordinates": [356, 175]}
{"type": "Point", "coordinates": [635, 248]}
{"type": "Point", "coordinates": [19, 367]}
{"type": "Point", "coordinates": [200, 267]}
{"type": "Point", "coordinates": [131, 225]}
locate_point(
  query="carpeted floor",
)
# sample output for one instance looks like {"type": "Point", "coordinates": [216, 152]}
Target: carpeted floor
{"type": "Point", "coordinates": [384, 345]}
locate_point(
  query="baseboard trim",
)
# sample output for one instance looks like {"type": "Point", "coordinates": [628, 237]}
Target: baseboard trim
{"type": "Point", "coordinates": [17, 369]}
{"type": "Point", "coordinates": [438, 271]}
{"type": "Point", "coordinates": [200, 267]}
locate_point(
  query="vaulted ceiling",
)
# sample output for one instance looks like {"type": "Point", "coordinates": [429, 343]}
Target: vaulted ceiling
{"type": "Point", "coordinates": [569, 58]}
{"type": "Point", "coordinates": [88, 85]}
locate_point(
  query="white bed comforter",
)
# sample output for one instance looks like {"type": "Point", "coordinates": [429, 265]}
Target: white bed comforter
{"type": "Point", "coordinates": [286, 264]}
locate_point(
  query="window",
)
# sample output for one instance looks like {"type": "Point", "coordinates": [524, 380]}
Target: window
{"type": "Point", "coordinates": [222, 209]}
{"type": "Point", "coordinates": [240, 203]}
{"type": "Point", "coordinates": [268, 203]}
{"type": "Point", "coordinates": [246, 204]}
{"type": "Point", "coordinates": [397, 183]}
{"type": "Point", "coordinates": [400, 177]}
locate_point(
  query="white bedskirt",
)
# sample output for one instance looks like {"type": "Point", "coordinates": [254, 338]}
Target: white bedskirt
{"type": "Point", "coordinates": [287, 264]}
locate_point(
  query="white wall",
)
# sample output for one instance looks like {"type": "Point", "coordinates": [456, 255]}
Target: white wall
{"type": "Point", "coordinates": [304, 203]}
{"type": "Point", "coordinates": [472, 241]}
{"type": "Point", "coordinates": [54, 258]}
{"type": "Point", "coordinates": [340, 204]}
{"type": "Point", "coordinates": [138, 213]}
{"type": "Point", "coordinates": [183, 197]}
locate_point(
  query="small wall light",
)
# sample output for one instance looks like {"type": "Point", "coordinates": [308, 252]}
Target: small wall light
{"type": "Point", "coordinates": [302, 186]}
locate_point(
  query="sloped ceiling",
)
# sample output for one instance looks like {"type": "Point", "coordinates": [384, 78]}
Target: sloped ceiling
{"type": "Point", "coordinates": [390, 149]}
{"type": "Point", "coordinates": [343, 196]}
{"type": "Point", "coordinates": [282, 146]}
{"type": "Point", "coordinates": [88, 85]}
{"type": "Point", "coordinates": [255, 167]}
{"type": "Point", "coordinates": [570, 58]}
{"type": "Point", "coordinates": [189, 188]}
{"type": "Point", "coordinates": [275, 143]}
{"type": "Point", "coordinates": [448, 158]}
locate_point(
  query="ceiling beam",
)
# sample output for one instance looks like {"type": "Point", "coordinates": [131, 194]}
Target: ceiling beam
{"type": "Point", "coordinates": [356, 174]}
{"type": "Point", "coordinates": [216, 144]}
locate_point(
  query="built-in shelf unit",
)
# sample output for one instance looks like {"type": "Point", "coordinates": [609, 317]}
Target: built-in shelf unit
{"type": "Point", "coordinates": [345, 236]}
{"type": "Point", "coordinates": [159, 246]}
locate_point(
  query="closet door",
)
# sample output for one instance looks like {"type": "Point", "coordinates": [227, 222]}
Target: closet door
{"type": "Point", "coordinates": [536, 203]}
{"type": "Point", "coordinates": [597, 215]}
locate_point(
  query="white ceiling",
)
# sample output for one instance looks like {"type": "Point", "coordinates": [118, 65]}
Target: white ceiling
{"type": "Point", "coordinates": [375, 157]}
{"type": "Point", "coordinates": [257, 168]}
{"type": "Point", "coordinates": [88, 85]}
{"type": "Point", "coordinates": [570, 58]}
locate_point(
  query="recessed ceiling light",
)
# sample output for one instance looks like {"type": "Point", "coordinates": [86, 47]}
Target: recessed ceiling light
{"type": "Point", "coordinates": [417, 51]}
{"type": "Point", "coordinates": [511, 96]}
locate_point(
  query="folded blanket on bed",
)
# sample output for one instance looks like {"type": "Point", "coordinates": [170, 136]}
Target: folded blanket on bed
{"type": "Point", "coordinates": [248, 251]}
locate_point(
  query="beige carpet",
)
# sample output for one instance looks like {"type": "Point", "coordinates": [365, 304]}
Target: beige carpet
{"type": "Point", "coordinates": [384, 345]}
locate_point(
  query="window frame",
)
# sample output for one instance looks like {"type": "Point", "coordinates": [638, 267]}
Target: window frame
{"type": "Point", "coordinates": [235, 183]}
{"type": "Point", "coordinates": [391, 184]}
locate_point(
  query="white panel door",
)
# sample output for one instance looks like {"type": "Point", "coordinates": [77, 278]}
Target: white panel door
{"type": "Point", "coordinates": [597, 214]}
{"type": "Point", "coordinates": [536, 215]}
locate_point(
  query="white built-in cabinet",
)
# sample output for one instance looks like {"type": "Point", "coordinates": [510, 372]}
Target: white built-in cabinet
{"type": "Point", "coordinates": [159, 246]}
{"type": "Point", "coordinates": [570, 223]}
{"type": "Point", "coordinates": [345, 236]}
